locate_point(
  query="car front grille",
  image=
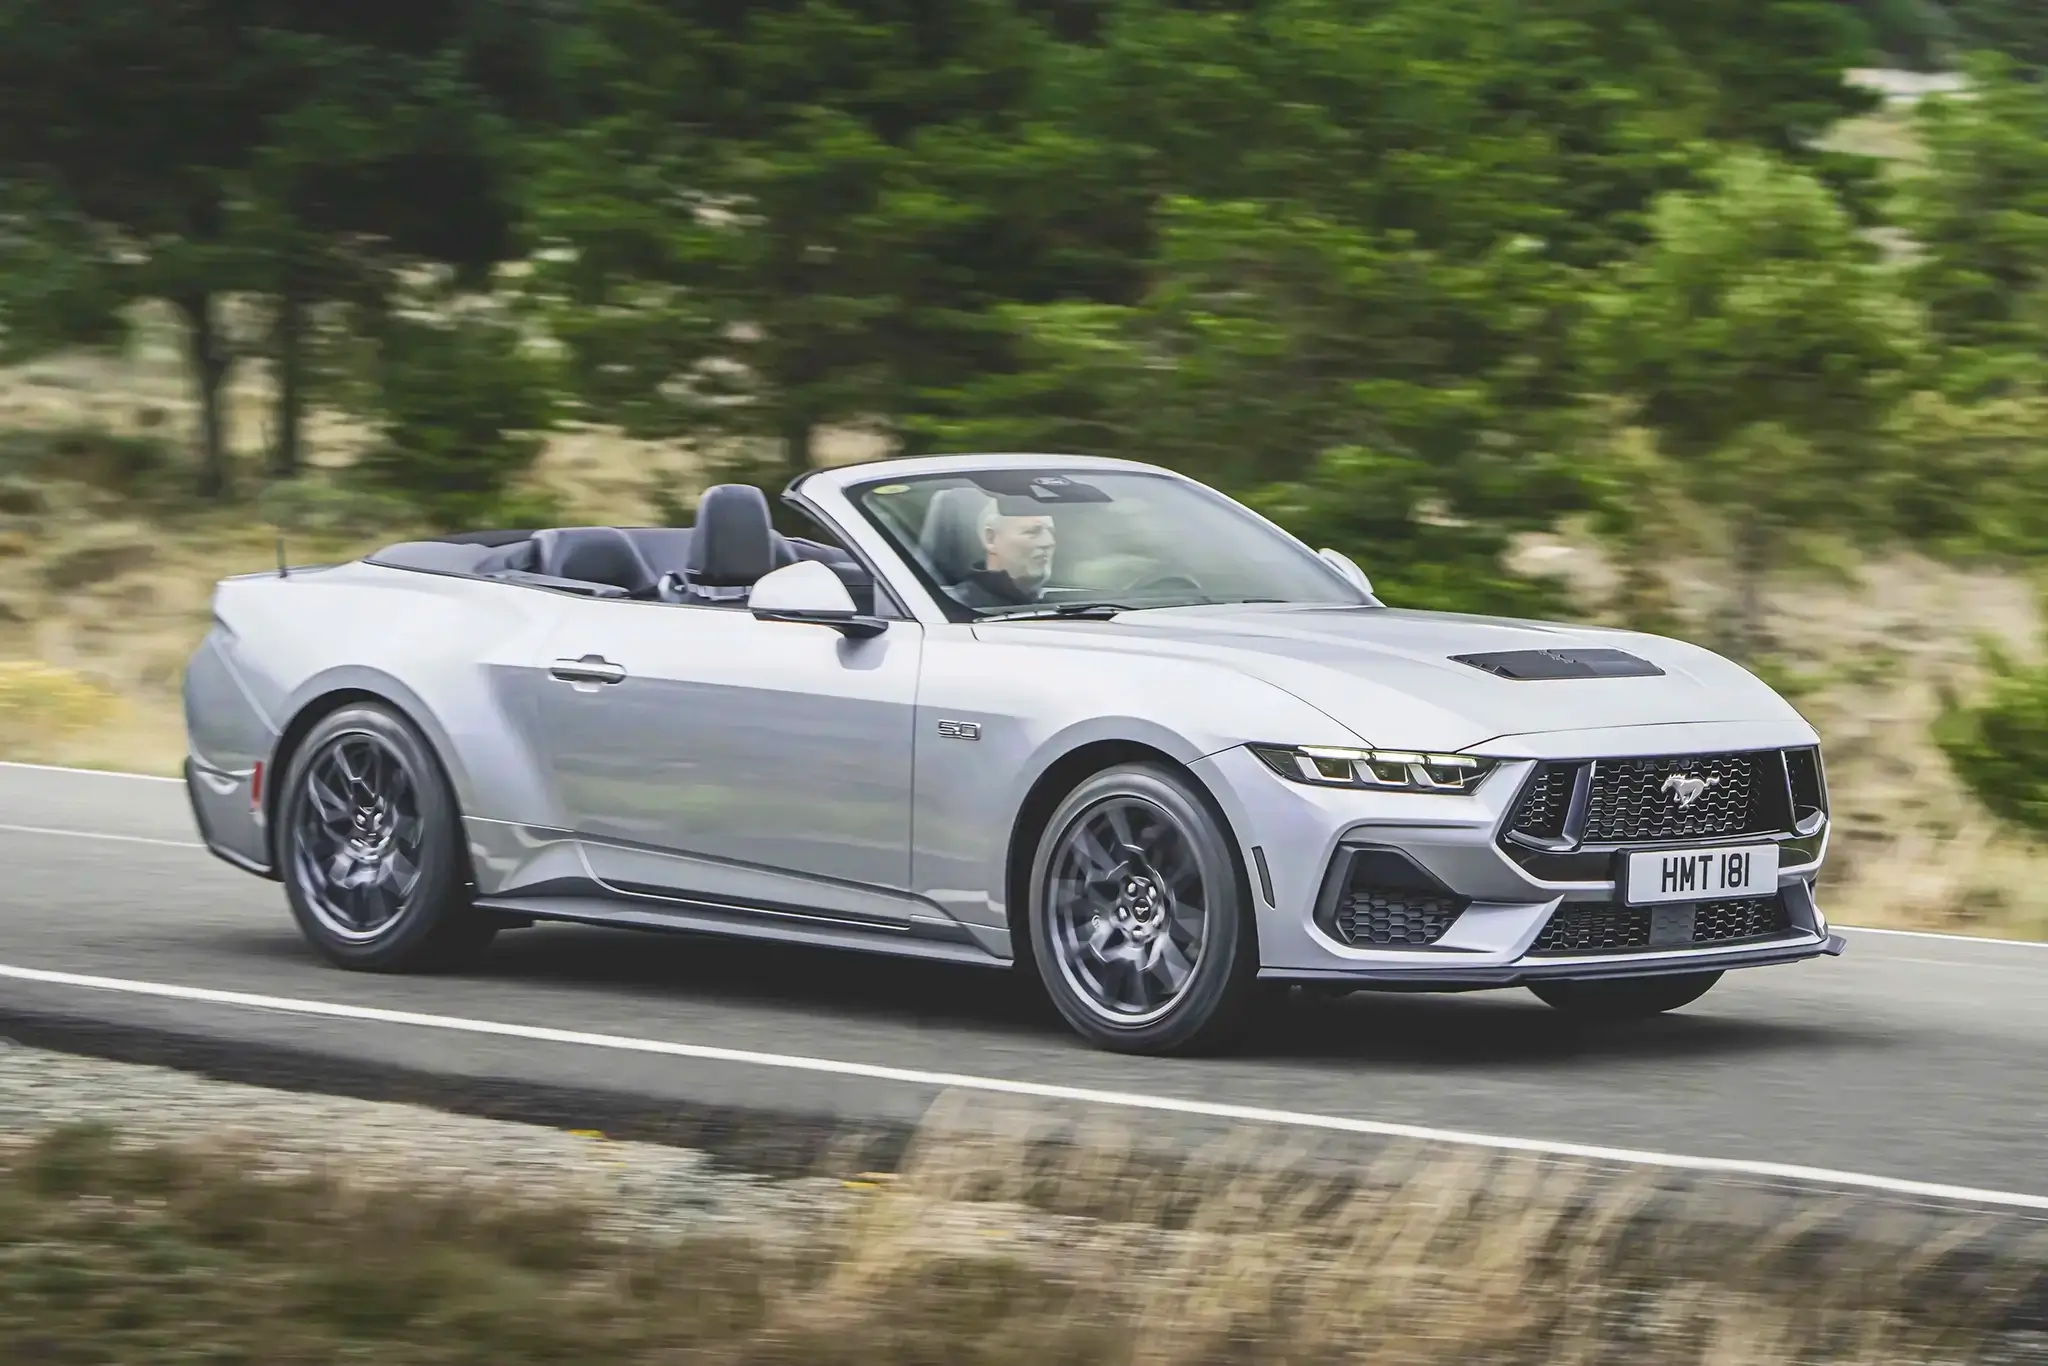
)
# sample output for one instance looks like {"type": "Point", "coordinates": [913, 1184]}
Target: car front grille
{"type": "Point", "coordinates": [1631, 801]}
{"type": "Point", "coordinates": [1610, 927]}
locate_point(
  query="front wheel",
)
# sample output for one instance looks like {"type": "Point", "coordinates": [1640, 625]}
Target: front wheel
{"type": "Point", "coordinates": [1628, 998]}
{"type": "Point", "coordinates": [1140, 923]}
{"type": "Point", "coordinates": [370, 846]}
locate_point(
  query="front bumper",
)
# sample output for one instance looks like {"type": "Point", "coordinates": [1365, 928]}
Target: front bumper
{"type": "Point", "coordinates": [1467, 977]}
{"type": "Point", "coordinates": [1299, 838]}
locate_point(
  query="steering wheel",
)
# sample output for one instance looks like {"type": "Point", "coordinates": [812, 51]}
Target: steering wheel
{"type": "Point", "coordinates": [1162, 579]}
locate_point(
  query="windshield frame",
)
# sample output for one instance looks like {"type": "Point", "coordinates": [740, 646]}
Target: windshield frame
{"type": "Point", "coordinates": [856, 494]}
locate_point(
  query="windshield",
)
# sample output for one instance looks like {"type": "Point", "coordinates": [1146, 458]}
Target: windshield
{"type": "Point", "coordinates": [999, 542]}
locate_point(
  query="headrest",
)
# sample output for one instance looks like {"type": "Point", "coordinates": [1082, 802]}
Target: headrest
{"type": "Point", "coordinates": [951, 538]}
{"type": "Point", "coordinates": [733, 543]}
{"type": "Point", "coordinates": [593, 554]}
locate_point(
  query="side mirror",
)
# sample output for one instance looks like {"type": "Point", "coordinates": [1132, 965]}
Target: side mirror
{"type": "Point", "coordinates": [1344, 565]}
{"type": "Point", "coordinates": [810, 593]}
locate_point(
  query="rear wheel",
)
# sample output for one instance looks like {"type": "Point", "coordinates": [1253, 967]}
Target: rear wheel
{"type": "Point", "coordinates": [370, 845]}
{"type": "Point", "coordinates": [1628, 998]}
{"type": "Point", "coordinates": [1140, 925]}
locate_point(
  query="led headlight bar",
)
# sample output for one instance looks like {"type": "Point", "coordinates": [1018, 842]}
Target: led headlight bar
{"type": "Point", "coordinates": [1392, 770]}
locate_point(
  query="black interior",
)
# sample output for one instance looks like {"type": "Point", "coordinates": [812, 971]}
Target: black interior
{"type": "Point", "coordinates": [714, 563]}
{"type": "Point", "coordinates": [594, 554]}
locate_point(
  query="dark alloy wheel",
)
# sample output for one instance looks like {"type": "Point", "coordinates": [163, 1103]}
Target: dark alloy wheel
{"type": "Point", "coordinates": [1140, 923]}
{"type": "Point", "coordinates": [370, 844]}
{"type": "Point", "coordinates": [1627, 998]}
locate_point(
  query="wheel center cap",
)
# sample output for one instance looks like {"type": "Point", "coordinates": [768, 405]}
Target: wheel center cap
{"type": "Point", "coordinates": [370, 832]}
{"type": "Point", "coordinates": [1139, 906]}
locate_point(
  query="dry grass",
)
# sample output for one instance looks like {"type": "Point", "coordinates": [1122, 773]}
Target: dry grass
{"type": "Point", "coordinates": [124, 1251]}
{"type": "Point", "coordinates": [1868, 653]}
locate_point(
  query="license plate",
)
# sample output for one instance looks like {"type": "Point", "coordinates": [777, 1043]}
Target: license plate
{"type": "Point", "coordinates": [1664, 875]}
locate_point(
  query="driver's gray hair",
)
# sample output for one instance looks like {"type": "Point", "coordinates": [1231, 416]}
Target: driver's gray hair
{"type": "Point", "coordinates": [992, 512]}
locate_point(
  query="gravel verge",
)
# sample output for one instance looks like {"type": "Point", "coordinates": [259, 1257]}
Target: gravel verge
{"type": "Point", "coordinates": [647, 1188]}
{"type": "Point", "coordinates": [1452, 1232]}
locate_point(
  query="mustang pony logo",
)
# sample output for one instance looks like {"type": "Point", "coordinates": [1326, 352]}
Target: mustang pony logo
{"type": "Point", "coordinates": [1684, 789]}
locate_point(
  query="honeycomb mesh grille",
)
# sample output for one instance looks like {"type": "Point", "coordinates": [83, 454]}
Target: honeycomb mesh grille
{"type": "Point", "coordinates": [1386, 919]}
{"type": "Point", "coordinates": [1720, 922]}
{"type": "Point", "coordinates": [1628, 800]}
{"type": "Point", "coordinates": [1541, 812]}
{"type": "Point", "coordinates": [1609, 927]}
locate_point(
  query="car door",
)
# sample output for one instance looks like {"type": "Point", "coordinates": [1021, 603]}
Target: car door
{"type": "Point", "coordinates": [702, 754]}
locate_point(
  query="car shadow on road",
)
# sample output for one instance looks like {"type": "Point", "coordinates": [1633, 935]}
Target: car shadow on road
{"type": "Point", "coordinates": [1474, 1029]}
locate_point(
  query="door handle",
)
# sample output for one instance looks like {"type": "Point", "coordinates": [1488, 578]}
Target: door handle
{"type": "Point", "coordinates": [589, 669]}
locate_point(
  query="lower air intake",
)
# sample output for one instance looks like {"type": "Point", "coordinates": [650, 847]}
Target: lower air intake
{"type": "Point", "coordinates": [1383, 899]}
{"type": "Point", "coordinates": [1395, 919]}
{"type": "Point", "coordinates": [1608, 927]}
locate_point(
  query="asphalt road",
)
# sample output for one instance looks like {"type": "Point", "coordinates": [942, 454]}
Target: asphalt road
{"type": "Point", "coordinates": [1917, 1059]}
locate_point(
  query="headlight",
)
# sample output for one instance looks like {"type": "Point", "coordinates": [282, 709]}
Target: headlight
{"type": "Point", "coordinates": [1391, 770]}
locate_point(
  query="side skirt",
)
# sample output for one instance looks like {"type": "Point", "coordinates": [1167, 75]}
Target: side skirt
{"type": "Point", "coordinates": [928, 940]}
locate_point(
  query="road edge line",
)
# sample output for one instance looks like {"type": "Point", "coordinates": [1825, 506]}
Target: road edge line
{"type": "Point", "coordinates": [98, 835]}
{"type": "Point", "coordinates": [91, 772]}
{"type": "Point", "coordinates": [1127, 1100]}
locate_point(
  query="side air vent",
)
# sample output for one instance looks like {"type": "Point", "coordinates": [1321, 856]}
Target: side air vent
{"type": "Point", "coordinates": [1545, 802]}
{"type": "Point", "coordinates": [1809, 789]}
{"type": "Point", "coordinates": [1380, 898]}
{"type": "Point", "coordinates": [1538, 665]}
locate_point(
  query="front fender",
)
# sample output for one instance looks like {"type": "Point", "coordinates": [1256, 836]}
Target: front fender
{"type": "Point", "coordinates": [1031, 707]}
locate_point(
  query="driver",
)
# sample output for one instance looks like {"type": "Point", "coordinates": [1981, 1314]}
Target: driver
{"type": "Point", "coordinates": [1016, 560]}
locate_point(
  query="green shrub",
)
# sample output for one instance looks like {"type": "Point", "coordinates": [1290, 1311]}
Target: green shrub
{"type": "Point", "coordinates": [1998, 745]}
{"type": "Point", "coordinates": [462, 405]}
{"type": "Point", "coordinates": [1374, 507]}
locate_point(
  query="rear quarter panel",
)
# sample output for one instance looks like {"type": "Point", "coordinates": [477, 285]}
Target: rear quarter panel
{"type": "Point", "coordinates": [448, 652]}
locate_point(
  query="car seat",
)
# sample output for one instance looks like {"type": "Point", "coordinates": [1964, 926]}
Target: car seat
{"type": "Point", "coordinates": [593, 554]}
{"type": "Point", "coordinates": [732, 545]}
{"type": "Point", "coordinates": [951, 538]}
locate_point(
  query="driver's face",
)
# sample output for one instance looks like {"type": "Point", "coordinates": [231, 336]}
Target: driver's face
{"type": "Point", "coordinates": [1020, 547]}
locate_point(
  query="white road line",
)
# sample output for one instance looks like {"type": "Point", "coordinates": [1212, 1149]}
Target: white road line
{"type": "Point", "coordinates": [99, 835]}
{"type": "Point", "coordinates": [1948, 938]}
{"type": "Point", "coordinates": [1126, 1100]}
{"type": "Point", "coordinates": [91, 772]}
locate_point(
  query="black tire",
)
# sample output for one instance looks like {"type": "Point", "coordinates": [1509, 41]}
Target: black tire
{"type": "Point", "coordinates": [1172, 826]}
{"type": "Point", "coordinates": [1627, 998]}
{"type": "Point", "coordinates": [399, 827]}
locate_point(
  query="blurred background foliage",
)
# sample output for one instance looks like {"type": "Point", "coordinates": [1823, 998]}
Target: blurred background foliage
{"type": "Point", "coordinates": [1411, 276]}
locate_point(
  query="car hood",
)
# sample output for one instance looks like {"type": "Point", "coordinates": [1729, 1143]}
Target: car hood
{"type": "Point", "coordinates": [1388, 675]}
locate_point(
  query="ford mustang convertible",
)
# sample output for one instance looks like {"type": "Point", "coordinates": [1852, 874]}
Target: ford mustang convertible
{"type": "Point", "coordinates": [1083, 718]}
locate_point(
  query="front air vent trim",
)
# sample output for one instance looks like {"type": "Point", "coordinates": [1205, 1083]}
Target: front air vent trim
{"type": "Point", "coordinates": [1361, 869]}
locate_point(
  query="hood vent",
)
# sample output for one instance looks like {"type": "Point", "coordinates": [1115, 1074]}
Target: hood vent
{"type": "Point", "coordinates": [1531, 665]}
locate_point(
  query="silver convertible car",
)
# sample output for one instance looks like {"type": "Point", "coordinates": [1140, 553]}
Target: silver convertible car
{"type": "Point", "coordinates": [1082, 717]}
